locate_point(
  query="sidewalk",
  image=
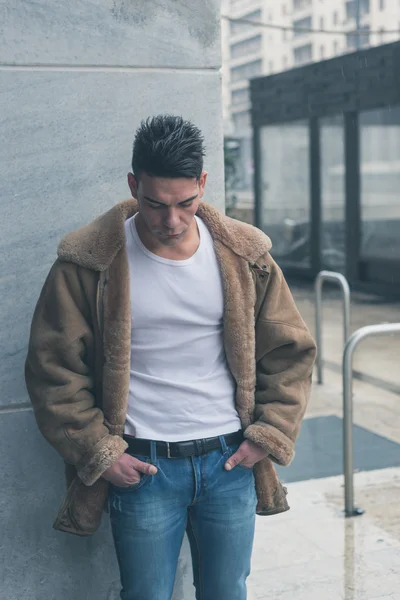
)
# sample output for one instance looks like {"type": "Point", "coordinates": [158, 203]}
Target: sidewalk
{"type": "Point", "coordinates": [313, 552]}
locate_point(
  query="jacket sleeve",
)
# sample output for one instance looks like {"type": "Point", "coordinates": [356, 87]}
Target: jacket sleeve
{"type": "Point", "coordinates": [285, 355]}
{"type": "Point", "coordinates": [60, 381]}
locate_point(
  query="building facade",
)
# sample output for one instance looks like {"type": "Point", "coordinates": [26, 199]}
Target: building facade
{"type": "Point", "coordinates": [76, 79]}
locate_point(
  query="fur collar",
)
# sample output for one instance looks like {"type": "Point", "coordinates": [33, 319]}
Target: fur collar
{"type": "Point", "coordinates": [95, 246]}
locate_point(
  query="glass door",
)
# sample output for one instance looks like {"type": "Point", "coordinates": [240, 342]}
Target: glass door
{"type": "Point", "coordinates": [333, 230]}
{"type": "Point", "coordinates": [284, 165]}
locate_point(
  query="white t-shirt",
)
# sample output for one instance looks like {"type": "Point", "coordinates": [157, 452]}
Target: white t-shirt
{"type": "Point", "coordinates": [180, 385]}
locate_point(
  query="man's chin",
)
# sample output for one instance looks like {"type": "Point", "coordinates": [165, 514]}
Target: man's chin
{"type": "Point", "coordinates": [171, 242]}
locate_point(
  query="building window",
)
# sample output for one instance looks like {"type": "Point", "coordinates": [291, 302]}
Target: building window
{"type": "Point", "coordinates": [285, 62]}
{"type": "Point", "coordinates": [321, 22]}
{"type": "Point", "coordinates": [332, 192]}
{"type": "Point", "coordinates": [381, 32]}
{"type": "Point", "coordinates": [241, 120]}
{"type": "Point", "coordinates": [271, 66]}
{"type": "Point", "coordinates": [237, 27]}
{"type": "Point", "coordinates": [302, 27]}
{"type": "Point", "coordinates": [322, 52]}
{"type": "Point", "coordinates": [303, 54]}
{"type": "Point", "coordinates": [381, 4]}
{"type": "Point", "coordinates": [284, 157]}
{"type": "Point", "coordinates": [284, 9]}
{"type": "Point", "coordinates": [284, 34]}
{"type": "Point", "coordinates": [300, 4]}
{"type": "Point", "coordinates": [247, 71]}
{"type": "Point", "coordinates": [351, 8]}
{"type": "Point", "coordinates": [335, 47]}
{"type": "Point", "coordinates": [352, 38]}
{"type": "Point", "coordinates": [250, 46]}
{"type": "Point", "coordinates": [335, 18]}
{"type": "Point", "coordinates": [240, 96]}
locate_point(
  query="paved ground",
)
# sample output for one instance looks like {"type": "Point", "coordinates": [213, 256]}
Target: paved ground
{"type": "Point", "coordinates": [313, 552]}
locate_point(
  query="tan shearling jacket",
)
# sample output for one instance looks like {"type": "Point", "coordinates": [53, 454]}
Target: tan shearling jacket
{"type": "Point", "coordinates": [78, 365]}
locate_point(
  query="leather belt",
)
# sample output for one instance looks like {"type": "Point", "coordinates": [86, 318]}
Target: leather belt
{"type": "Point", "coordinates": [142, 447]}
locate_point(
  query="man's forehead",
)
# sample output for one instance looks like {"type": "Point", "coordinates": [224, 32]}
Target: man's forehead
{"type": "Point", "coordinates": [168, 190]}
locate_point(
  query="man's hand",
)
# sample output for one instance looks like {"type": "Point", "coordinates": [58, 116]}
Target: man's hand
{"type": "Point", "coordinates": [126, 471]}
{"type": "Point", "coordinates": [248, 454]}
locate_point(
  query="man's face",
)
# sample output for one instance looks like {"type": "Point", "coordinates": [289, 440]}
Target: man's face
{"type": "Point", "coordinates": [167, 206]}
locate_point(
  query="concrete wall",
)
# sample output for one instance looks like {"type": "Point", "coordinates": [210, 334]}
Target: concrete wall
{"type": "Point", "coordinates": [75, 80]}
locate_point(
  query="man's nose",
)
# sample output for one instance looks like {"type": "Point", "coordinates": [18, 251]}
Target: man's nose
{"type": "Point", "coordinates": [172, 219]}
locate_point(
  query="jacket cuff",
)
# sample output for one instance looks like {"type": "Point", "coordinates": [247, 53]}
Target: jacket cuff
{"type": "Point", "coordinates": [279, 447]}
{"type": "Point", "coordinates": [104, 454]}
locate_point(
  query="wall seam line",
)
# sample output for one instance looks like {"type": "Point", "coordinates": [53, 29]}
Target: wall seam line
{"type": "Point", "coordinates": [106, 68]}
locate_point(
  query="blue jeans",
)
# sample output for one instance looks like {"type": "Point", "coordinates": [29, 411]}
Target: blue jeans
{"type": "Point", "coordinates": [217, 509]}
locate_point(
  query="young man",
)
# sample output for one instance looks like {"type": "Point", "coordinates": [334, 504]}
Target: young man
{"type": "Point", "coordinates": [168, 365]}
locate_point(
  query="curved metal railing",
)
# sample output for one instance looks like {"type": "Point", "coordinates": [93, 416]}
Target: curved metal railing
{"type": "Point", "coordinates": [342, 281]}
{"type": "Point", "coordinates": [351, 345]}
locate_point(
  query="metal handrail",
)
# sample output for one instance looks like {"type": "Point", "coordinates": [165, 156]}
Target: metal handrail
{"type": "Point", "coordinates": [351, 345]}
{"type": "Point", "coordinates": [342, 281]}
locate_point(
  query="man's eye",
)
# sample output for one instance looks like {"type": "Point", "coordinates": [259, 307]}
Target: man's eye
{"type": "Point", "coordinates": [187, 204]}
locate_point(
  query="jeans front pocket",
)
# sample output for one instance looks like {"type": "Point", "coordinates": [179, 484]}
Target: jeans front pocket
{"type": "Point", "coordinates": [231, 450]}
{"type": "Point", "coordinates": [243, 467]}
{"type": "Point", "coordinates": [144, 477]}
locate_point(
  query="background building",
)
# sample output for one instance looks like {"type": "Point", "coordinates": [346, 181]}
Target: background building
{"type": "Point", "coordinates": [251, 50]}
{"type": "Point", "coordinates": [76, 79]}
{"type": "Point", "coordinates": [327, 166]}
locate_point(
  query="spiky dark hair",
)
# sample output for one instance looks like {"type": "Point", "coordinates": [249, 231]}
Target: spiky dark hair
{"type": "Point", "coordinates": [168, 146]}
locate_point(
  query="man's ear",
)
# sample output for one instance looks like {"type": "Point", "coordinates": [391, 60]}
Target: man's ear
{"type": "Point", "coordinates": [202, 183]}
{"type": "Point", "coordinates": [133, 185]}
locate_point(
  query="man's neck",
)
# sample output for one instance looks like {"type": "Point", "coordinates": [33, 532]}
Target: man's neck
{"type": "Point", "coordinates": [184, 250]}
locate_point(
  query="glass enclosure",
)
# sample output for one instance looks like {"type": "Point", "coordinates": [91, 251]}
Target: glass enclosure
{"type": "Point", "coordinates": [286, 191]}
{"type": "Point", "coordinates": [327, 166]}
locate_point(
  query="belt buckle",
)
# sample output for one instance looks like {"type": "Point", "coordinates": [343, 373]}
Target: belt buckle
{"type": "Point", "coordinates": [168, 450]}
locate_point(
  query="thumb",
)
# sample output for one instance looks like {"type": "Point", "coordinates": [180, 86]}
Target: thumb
{"type": "Point", "coordinates": [234, 460]}
{"type": "Point", "coordinates": [145, 468]}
